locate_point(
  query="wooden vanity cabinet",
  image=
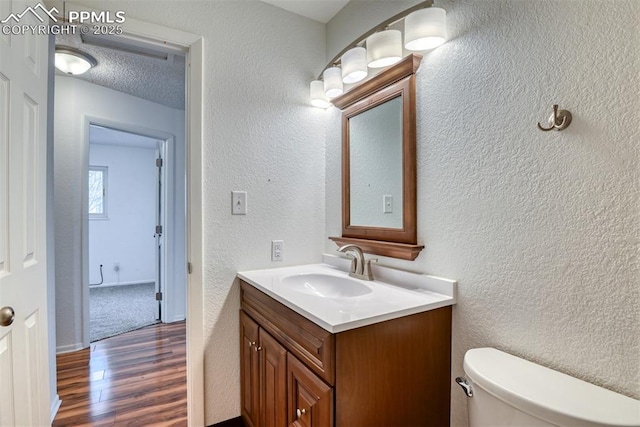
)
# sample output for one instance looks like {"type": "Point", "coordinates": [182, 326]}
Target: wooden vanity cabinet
{"type": "Point", "coordinates": [264, 376]}
{"type": "Point", "coordinates": [394, 373]}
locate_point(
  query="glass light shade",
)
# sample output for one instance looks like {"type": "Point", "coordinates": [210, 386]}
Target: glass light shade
{"type": "Point", "coordinates": [354, 65]}
{"type": "Point", "coordinates": [425, 29]}
{"type": "Point", "coordinates": [384, 48]}
{"type": "Point", "coordinates": [73, 61]}
{"type": "Point", "coordinates": [332, 82]}
{"type": "Point", "coordinates": [318, 98]}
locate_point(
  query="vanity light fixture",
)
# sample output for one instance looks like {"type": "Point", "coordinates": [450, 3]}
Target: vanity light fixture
{"type": "Point", "coordinates": [424, 28]}
{"type": "Point", "coordinates": [73, 61]}
{"type": "Point", "coordinates": [318, 98]}
{"type": "Point", "coordinates": [332, 82]}
{"type": "Point", "coordinates": [384, 48]}
{"type": "Point", "coordinates": [354, 65]}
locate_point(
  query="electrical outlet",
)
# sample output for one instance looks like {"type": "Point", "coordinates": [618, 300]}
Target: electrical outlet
{"type": "Point", "coordinates": [277, 248]}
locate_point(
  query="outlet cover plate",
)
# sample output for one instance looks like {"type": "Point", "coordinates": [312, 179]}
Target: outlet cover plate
{"type": "Point", "coordinates": [277, 249]}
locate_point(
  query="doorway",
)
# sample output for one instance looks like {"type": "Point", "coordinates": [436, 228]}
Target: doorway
{"type": "Point", "coordinates": [125, 183]}
{"type": "Point", "coordinates": [75, 134]}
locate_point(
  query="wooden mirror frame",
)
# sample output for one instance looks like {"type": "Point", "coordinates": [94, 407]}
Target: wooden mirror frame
{"type": "Point", "coordinates": [399, 80]}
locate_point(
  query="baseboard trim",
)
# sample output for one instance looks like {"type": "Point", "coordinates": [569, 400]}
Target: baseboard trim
{"type": "Point", "coordinates": [135, 282]}
{"type": "Point", "coordinates": [69, 348]}
{"type": "Point", "coordinates": [233, 422]}
{"type": "Point", "coordinates": [178, 318]}
{"type": "Point", "coordinates": [55, 405]}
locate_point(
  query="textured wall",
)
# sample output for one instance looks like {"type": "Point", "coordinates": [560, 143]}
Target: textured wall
{"type": "Point", "coordinates": [260, 135]}
{"type": "Point", "coordinates": [541, 230]}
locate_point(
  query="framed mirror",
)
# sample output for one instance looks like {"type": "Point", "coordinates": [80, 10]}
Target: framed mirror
{"type": "Point", "coordinates": [379, 163]}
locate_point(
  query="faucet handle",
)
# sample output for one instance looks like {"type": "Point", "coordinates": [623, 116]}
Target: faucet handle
{"type": "Point", "coordinates": [368, 275]}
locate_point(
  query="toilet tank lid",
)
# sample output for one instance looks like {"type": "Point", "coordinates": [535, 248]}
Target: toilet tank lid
{"type": "Point", "coordinates": [547, 394]}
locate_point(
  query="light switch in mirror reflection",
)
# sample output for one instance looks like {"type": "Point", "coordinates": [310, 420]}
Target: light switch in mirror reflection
{"type": "Point", "coordinates": [375, 170]}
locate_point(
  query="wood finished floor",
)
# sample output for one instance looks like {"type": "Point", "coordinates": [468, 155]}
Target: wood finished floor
{"type": "Point", "coordinates": [134, 379]}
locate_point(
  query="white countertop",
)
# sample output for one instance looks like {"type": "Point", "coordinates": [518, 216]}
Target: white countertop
{"type": "Point", "coordinates": [394, 293]}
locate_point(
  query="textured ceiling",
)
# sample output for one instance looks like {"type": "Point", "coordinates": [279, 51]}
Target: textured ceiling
{"type": "Point", "coordinates": [162, 79]}
{"type": "Point", "coordinates": [321, 11]}
{"type": "Point", "coordinates": [148, 74]}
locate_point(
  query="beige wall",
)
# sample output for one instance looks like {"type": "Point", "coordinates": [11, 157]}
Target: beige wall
{"type": "Point", "coordinates": [542, 230]}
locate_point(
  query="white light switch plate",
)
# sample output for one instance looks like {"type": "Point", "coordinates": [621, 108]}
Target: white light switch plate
{"type": "Point", "coordinates": [239, 202]}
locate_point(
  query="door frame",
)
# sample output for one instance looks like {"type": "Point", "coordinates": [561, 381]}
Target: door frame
{"type": "Point", "coordinates": [193, 45]}
{"type": "Point", "coordinates": [167, 219]}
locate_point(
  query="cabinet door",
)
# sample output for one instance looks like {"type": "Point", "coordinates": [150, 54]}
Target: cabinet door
{"type": "Point", "coordinates": [273, 382]}
{"type": "Point", "coordinates": [310, 398]}
{"type": "Point", "coordinates": [249, 371]}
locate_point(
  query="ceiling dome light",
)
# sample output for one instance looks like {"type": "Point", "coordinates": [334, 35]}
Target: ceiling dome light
{"type": "Point", "coordinates": [354, 65]}
{"type": "Point", "coordinates": [425, 29]}
{"type": "Point", "coordinates": [318, 98]}
{"type": "Point", "coordinates": [384, 48]}
{"type": "Point", "coordinates": [73, 61]}
{"type": "Point", "coordinates": [332, 82]}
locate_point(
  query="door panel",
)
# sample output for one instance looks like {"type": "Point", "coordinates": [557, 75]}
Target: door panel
{"type": "Point", "coordinates": [310, 398]}
{"type": "Point", "coordinates": [24, 364]}
{"type": "Point", "coordinates": [249, 371]}
{"type": "Point", "coordinates": [28, 178]}
{"type": "Point", "coordinates": [7, 413]}
{"type": "Point", "coordinates": [273, 381]}
{"type": "Point", "coordinates": [32, 374]}
{"type": "Point", "coordinates": [5, 9]}
{"type": "Point", "coordinates": [4, 173]}
{"type": "Point", "coordinates": [32, 56]}
{"type": "Point", "coordinates": [160, 240]}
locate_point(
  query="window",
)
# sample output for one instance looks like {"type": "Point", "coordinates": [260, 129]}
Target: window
{"type": "Point", "coordinates": [98, 191]}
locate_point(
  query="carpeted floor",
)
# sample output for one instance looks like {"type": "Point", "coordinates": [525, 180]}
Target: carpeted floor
{"type": "Point", "coordinates": [117, 309]}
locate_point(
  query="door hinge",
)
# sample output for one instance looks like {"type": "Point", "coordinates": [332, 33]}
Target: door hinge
{"type": "Point", "coordinates": [189, 268]}
{"type": "Point", "coordinates": [159, 162]}
{"type": "Point", "coordinates": [158, 229]}
{"type": "Point", "coordinates": [158, 296]}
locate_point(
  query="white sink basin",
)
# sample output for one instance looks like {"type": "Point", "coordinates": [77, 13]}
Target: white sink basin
{"type": "Point", "coordinates": [326, 295]}
{"type": "Point", "coordinates": [325, 285]}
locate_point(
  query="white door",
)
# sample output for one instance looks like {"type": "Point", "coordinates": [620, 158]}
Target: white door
{"type": "Point", "coordinates": [160, 294]}
{"type": "Point", "coordinates": [24, 375]}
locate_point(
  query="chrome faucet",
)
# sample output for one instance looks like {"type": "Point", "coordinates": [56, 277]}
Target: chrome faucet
{"type": "Point", "coordinates": [360, 268]}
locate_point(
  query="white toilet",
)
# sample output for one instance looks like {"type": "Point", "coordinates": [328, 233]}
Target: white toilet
{"type": "Point", "coordinates": [505, 390]}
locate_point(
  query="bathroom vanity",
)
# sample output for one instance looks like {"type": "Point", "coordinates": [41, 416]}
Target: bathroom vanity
{"type": "Point", "coordinates": [314, 356]}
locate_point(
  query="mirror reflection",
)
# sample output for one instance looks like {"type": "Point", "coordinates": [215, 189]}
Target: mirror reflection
{"type": "Point", "coordinates": [375, 154]}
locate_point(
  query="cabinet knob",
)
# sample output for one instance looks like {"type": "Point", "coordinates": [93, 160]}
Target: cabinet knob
{"type": "Point", "coordinates": [300, 412]}
{"type": "Point", "coordinates": [258, 348]}
{"type": "Point", "coordinates": [251, 343]}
